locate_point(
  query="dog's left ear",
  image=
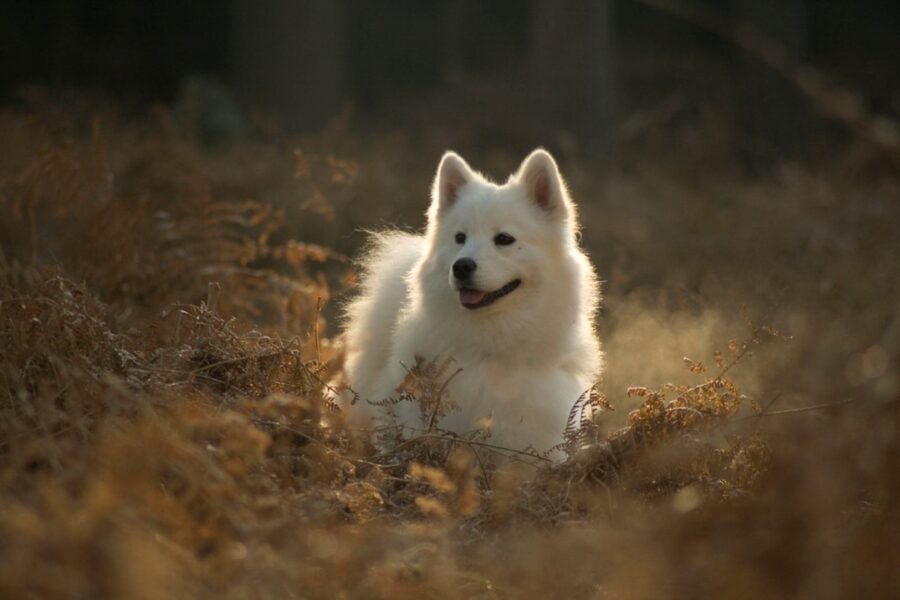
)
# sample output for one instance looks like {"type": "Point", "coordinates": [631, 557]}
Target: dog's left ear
{"type": "Point", "coordinates": [544, 185]}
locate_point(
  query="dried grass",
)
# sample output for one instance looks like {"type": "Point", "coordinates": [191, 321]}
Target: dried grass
{"type": "Point", "coordinates": [165, 429]}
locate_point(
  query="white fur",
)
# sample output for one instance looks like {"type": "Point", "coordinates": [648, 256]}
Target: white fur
{"type": "Point", "coordinates": [526, 358]}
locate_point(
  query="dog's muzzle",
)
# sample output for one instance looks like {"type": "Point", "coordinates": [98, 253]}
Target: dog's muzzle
{"type": "Point", "coordinates": [473, 299]}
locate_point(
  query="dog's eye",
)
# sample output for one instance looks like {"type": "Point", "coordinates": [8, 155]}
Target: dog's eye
{"type": "Point", "coordinates": [460, 238]}
{"type": "Point", "coordinates": [504, 239]}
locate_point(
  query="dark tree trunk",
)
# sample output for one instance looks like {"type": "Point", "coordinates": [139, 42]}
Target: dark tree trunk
{"type": "Point", "coordinates": [573, 68]}
{"type": "Point", "coordinates": [773, 110]}
{"type": "Point", "coordinates": [457, 35]}
{"type": "Point", "coordinates": [287, 58]}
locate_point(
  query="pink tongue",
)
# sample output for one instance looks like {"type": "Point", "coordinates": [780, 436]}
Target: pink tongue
{"type": "Point", "coordinates": [470, 296]}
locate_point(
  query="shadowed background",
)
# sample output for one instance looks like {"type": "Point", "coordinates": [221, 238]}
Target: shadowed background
{"type": "Point", "coordinates": [735, 164]}
{"type": "Point", "coordinates": [692, 134]}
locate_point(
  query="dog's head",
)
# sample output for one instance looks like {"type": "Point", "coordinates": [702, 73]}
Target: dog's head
{"type": "Point", "coordinates": [499, 243]}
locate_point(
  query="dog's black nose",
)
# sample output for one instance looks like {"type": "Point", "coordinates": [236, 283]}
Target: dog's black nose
{"type": "Point", "coordinates": [464, 267]}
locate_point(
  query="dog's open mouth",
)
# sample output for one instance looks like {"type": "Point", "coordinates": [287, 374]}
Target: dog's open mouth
{"type": "Point", "coordinates": [473, 299]}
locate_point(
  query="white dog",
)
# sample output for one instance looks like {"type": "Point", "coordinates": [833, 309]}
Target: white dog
{"type": "Point", "coordinates": [499, 285]}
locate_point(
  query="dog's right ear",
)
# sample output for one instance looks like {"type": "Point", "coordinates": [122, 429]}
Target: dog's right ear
{"type": "Point", "coordinates": [452, 175]}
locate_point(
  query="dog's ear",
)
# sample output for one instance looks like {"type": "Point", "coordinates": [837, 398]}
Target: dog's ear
{"type": "Point", "coordinates": [543, 184]}
{"type": "Point", "coordinates": [453, 173]}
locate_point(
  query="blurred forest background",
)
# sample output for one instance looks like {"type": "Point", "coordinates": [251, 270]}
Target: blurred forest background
{"type": "Point", "coordinates": [183, 187]}
{"type": "Point", "coordinates": [582, 65]}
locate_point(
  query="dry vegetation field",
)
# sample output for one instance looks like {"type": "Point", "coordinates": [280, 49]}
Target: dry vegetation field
{"type": "Point", "coordinates": [167, 323]}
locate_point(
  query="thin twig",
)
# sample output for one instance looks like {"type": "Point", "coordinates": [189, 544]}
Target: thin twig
{"type": "Point", "coordinates": [317, 442]}
{"type": "Point", "coordinates": [237, 359]}
{"type": "Point", "coordinates": [316, 329]}
{"type": "Point", "coordinates": [801, 409]}
{"type": "Point", "coordinates": [437, 401]}
{"type": "Point", "coordinates": [433, 436]}
{"type": "Point", "coordinates": [765, 409]}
